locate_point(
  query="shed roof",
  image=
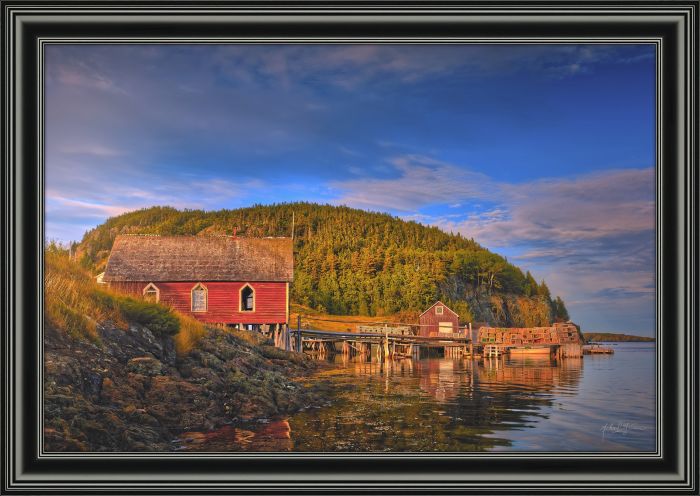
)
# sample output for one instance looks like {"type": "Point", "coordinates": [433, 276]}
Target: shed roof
{"type": "Point", "coordinates": [199, 258]}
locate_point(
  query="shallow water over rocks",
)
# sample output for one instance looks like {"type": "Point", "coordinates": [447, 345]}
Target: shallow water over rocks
{"type": "Point", "coordinates": [595, 403]}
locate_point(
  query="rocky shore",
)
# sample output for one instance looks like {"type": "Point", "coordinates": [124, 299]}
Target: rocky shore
{"type": "Point", "coordinates": [129, 391]}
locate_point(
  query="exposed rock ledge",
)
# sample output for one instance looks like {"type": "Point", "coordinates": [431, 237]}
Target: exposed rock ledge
{"type": "Point", "coordinates": [132, 393]}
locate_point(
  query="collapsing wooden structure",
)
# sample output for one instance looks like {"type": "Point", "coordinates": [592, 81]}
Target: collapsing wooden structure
{"type": "Point", "coordinates": [562, 339]}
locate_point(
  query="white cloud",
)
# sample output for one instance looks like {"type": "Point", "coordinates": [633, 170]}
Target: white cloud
{"type": "Point", "coordinates": [86, 208]}
{"type": "Point", "coordinates": [421, 181]}
{"type": "Point", "coordinates": [586, 208]}
{"type": "Point", "coordinates": [70, 213]}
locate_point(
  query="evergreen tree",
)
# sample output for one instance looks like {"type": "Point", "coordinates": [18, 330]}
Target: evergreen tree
{"type": "Point", "coordinates": [349, 261]}
{"type": "Point", "coordinates": [561, 314]}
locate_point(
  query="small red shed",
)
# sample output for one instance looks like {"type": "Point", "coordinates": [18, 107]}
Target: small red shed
{"type": "Point", "coordinates": [438, 319]}
{"type": "Point", "coordinates": [216, 279]}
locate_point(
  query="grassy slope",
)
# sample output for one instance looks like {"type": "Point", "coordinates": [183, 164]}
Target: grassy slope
{"type": "Point", "coordinates": [75, 305]}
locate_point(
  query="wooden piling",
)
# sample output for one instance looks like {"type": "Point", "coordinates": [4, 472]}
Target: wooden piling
{"type": "Point", "coordinates": [299, 343]}
{"type": "Point", "coordinates": [471, 341]}
{"type": "Point", "coordinates": [386, 345]}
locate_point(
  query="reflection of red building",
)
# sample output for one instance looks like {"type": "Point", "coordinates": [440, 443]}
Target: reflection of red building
{"type": "Point", "coordinates": [441, 379]}
{"type": "Point", "coordinates": [437, 320]}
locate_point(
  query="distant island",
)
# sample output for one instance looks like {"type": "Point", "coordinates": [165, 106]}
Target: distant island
{"type": "Point", "coordinates": [615, 337]}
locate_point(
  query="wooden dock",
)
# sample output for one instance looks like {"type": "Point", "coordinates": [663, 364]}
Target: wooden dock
{"type": "Point", "coordinates": [383, 345]}
{"type": "Point", "coordinates": [494, 350]}
{"type": "Point", "coordinates": [385, 341]}
{"type": "Point", "coordinates": [559, 341]}
{"type": "Point", "coordinates": [398, 346]}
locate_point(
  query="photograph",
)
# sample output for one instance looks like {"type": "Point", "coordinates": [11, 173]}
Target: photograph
{"type": "Point", "coordinates": [349, 247]}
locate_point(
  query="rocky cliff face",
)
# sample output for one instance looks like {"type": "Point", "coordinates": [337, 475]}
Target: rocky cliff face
{"type": "Point", "coordinates": [131, 392]}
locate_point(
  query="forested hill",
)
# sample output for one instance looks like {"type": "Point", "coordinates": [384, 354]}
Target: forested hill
{"type": "Point", "coordinates": [354, 262]}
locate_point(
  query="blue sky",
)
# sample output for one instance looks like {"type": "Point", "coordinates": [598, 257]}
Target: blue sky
{"type": "Point", "coordinates": [543, 153]}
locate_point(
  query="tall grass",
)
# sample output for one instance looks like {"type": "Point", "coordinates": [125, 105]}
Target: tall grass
{"type": "Point", "coordinates": [74, 304]}
{"type": "Point", "coordinates": [191, 332]}
{"type": "Point", "coordinates": [72, 301]}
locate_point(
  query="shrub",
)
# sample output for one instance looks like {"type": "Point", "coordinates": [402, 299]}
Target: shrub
{"type": "Point", "coordinates": [159, 319]}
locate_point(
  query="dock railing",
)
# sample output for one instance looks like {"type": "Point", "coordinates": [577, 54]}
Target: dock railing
{"type": "Point", "coordinates": [449, 335]}
{"type": "Point", "coordinates": [386, 329]}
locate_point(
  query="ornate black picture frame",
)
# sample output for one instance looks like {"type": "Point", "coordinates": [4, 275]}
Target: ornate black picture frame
{"type": "Point", "coordinates": [28, 25]}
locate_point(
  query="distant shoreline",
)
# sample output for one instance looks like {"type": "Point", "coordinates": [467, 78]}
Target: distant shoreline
{"type": "Point", "coordinates": [613, 337]}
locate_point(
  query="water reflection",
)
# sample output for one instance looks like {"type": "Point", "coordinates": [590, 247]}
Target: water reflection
{"type": "Point", "coordinates": [541, 374]}
{"type": "Point", "coordinates": [434, 404]}
{"type": "Point", "coordinates": [269, 436]}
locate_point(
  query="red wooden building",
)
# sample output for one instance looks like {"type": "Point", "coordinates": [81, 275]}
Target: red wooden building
{"type": "Point", "coordinates": [216, 279]}
{"type": "Point", "coordinates": [438, 319]}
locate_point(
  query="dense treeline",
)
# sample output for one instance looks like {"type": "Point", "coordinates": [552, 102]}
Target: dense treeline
{"type": "Point", "coordinates": [354, 262]}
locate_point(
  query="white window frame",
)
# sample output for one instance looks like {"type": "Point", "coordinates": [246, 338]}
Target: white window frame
{"type": "Point", "coordinates": [150, 286]}
{"type": "Point", "coordinates": [240, 298]}
{"type": "Point", "coordinates": [199, 286]}
{"type": "Point", "coordinates": [439, 310]}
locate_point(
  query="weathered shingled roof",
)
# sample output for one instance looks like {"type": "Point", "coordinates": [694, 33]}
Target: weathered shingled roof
{"type": "Point", "coordinates": [199, 258]}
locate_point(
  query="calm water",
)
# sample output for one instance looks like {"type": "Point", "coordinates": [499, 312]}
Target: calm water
{"type": "Point", "coordinates": [597, 403]}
